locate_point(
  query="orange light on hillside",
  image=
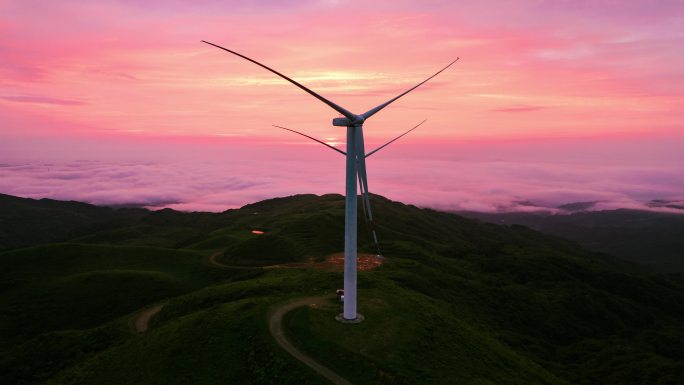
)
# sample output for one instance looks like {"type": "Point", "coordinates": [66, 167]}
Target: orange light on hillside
{"type": "Point", "coordinates": [257, 232]}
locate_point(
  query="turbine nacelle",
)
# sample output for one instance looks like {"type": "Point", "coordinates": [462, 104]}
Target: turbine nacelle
{"type": "Point", "coordinates": [341, 122]}
{"type": "Point", "coordinates": [345, 122]}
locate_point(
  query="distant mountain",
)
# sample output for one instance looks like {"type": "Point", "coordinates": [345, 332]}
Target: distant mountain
{"type": "Point", "coordinates": [457, 300]}
{"type": "Point", "coordinates": [577, 206]}
{"type": "Point", "coordinates": [650, 238]}
{"type": "Point", "coordinates": [679, 205]}
{"type": "Point", "coordinates": [25, 221]}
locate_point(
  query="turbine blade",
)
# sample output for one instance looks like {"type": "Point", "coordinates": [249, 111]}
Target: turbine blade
{"type": "Point", "coordinates": [361, 170]}
{"type": "Point", "coordinates": [332, 105]}
{"type": "Point", "coordinates": [390, 142]}
{"type": "Point", "coordinates": [363, 201]}
{"type": "Point", "coordinates": [363, 183]}
{"type": "Point", "coordinates": [314, 139]}
{"type": "Point", "coordinates": [372, 112]}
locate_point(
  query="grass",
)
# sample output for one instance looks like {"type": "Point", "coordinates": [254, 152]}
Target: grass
{"type": "Point", "coordinates": [260, 250]}
{"type": "Point", "coordinates": [74, 286]}
{"type": "Point", "coordinates": [214, 335]}
{"type": "Point", "coordinates": [458, 301]}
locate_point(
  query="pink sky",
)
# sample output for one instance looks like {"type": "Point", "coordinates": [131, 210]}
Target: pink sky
{"type": "Point", "coordinates": [552, 101]}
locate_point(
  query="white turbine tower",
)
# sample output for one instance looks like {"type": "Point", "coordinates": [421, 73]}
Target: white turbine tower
{"type": "Point", "coordinates": [356, 168]}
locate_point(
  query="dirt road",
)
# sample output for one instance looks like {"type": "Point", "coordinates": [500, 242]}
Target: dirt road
{"type": "Point", "coordinates": [215, 263]}
{"type": "Point", "coordinates": [276, 328]}
{"type": "Point", "coordinates": [142, 321]}
{"type": "Point", "coordinates": [293, 265]}
{"type": "Point", "coordinates": [276, 318]}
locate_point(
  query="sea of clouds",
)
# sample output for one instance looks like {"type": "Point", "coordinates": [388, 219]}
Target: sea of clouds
{"type": "Point", "coordinates": [447, 178]}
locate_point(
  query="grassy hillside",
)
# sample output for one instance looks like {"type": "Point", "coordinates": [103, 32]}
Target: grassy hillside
{"type": "Point", "coordinates": [457, 301]}
{"type": "Point", "coordinates": [73, 286]}
{"type": "Point", "coordinates": [27, 222]}
{"type": "Point", "coordinates": [650, 238]}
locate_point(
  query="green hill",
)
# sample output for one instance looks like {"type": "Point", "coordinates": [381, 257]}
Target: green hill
{"type": "Point", "coordinates": [651, 238]}
{"type": "Point", "coordinates": [457, 301]}
{"type": "Point", "coordinates": [27, 222]}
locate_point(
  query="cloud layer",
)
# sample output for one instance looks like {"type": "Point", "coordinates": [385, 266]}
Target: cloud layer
{"type": "Point", "coordinates": [476, 177]}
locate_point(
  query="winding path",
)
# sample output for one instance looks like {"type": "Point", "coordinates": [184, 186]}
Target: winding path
{"type": "Point", "coordinates": [212, 261]}
{"type": "Point", "coordinates": [276, 328]}
{"type": "Point", "coordinates": [275, 322]}
{"type": "Point", "coordinates": [142, 321]}
{"type": "Point", "coordinates": [292, 265]}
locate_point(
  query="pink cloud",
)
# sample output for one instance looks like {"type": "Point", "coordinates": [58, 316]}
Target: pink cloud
{"type": "Point", "coordinates": [40, 100]}
{"type": "Point", "coordinates": [151, 74]}
{"type": "Point", "coordinates": [520, 109]}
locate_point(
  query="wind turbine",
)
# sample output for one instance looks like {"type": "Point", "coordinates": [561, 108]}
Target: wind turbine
{"type": "Point", "coordinates": [356, 168]}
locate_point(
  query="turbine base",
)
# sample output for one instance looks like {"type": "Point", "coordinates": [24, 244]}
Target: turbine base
{"type": "Point", "coordinates": [359, 318]}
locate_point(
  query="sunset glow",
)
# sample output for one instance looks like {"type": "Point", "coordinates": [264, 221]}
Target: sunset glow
{"type": "Point", "coordinates": [552, 101]}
